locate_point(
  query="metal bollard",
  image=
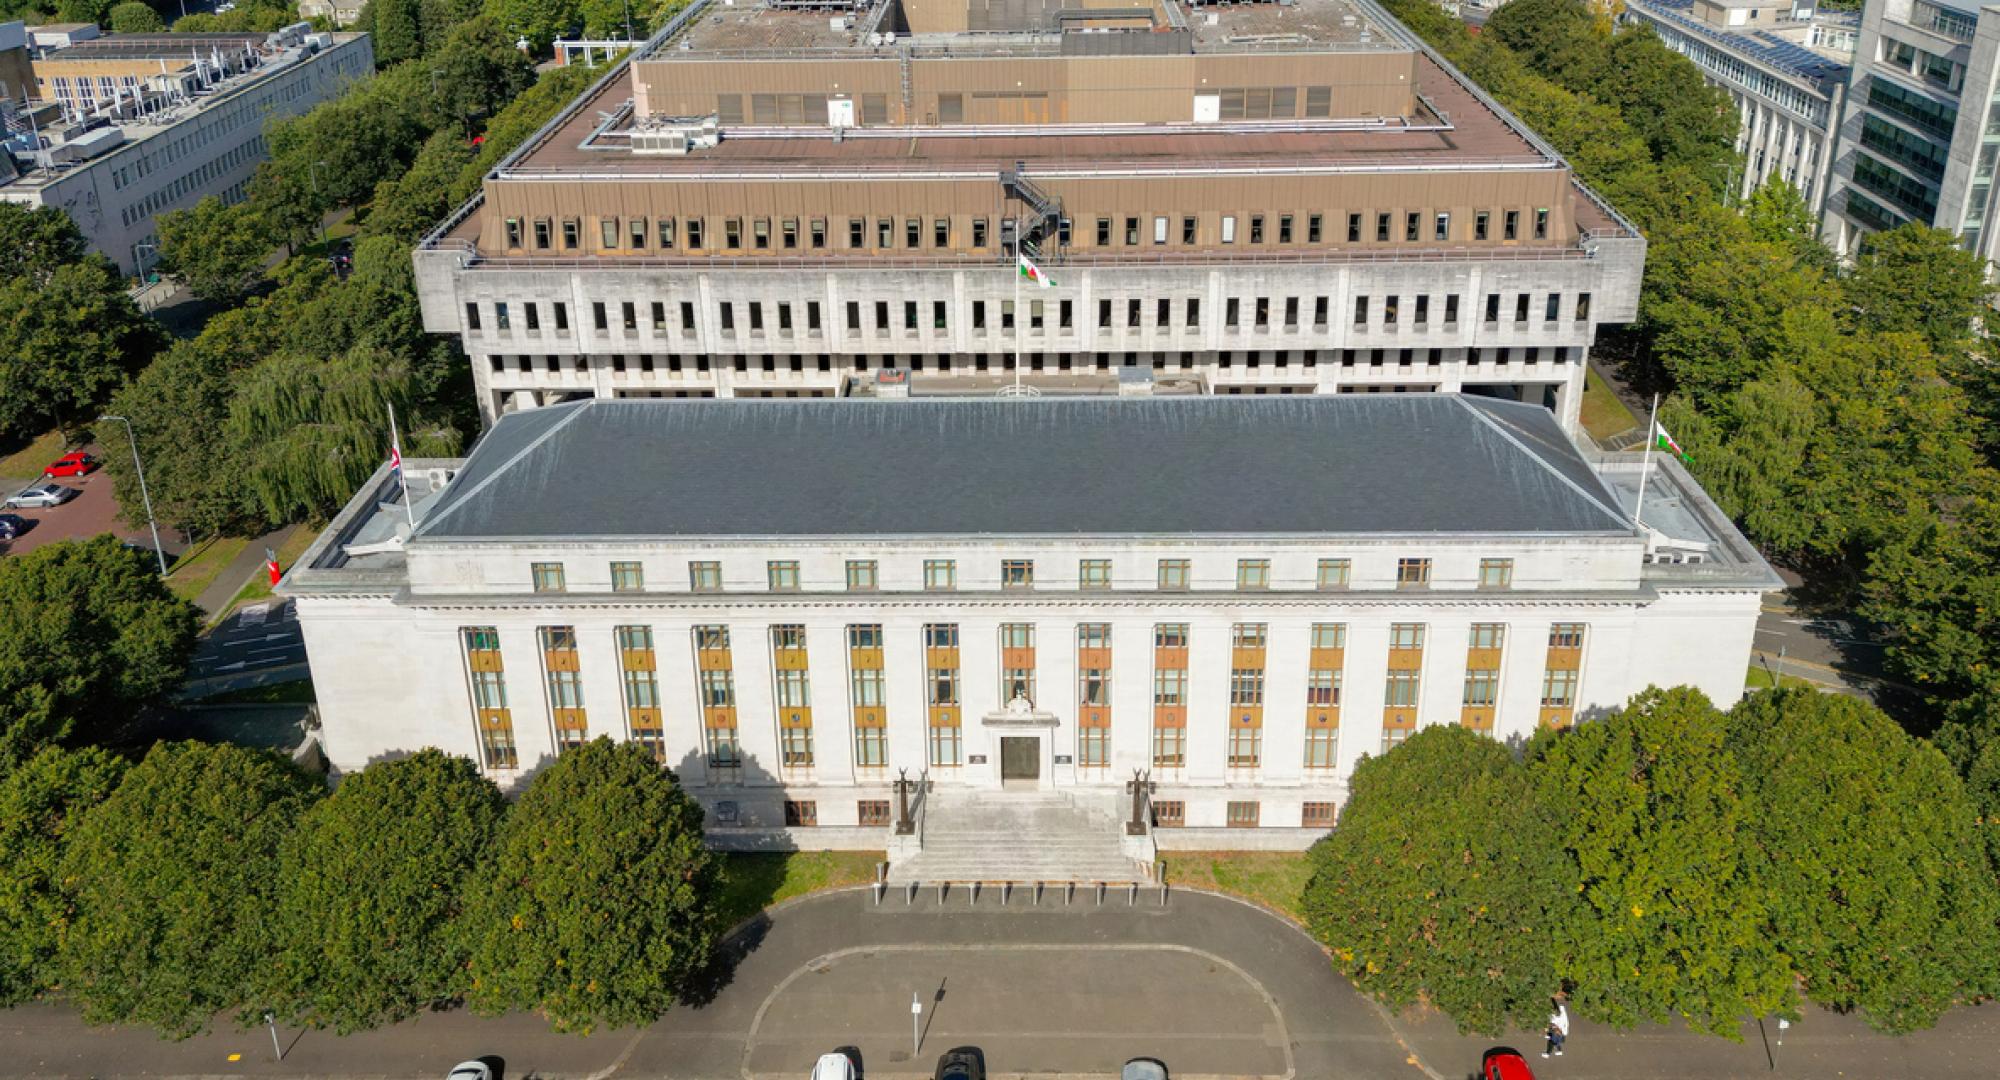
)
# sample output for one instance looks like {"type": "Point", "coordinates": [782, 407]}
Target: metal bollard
{"type": "Point", "coordinates": [941, 886]}
{"type": "Point", "coordinates": [1131, 893]}
{"type": "Point", "coordinates": [1006, 887]}
{"type": "Point", "coordinates": [880, 887]}
{"type": "Point", "coordinates": [1100, 894]}
{"type": "Point", "coordinates": [910, 894]}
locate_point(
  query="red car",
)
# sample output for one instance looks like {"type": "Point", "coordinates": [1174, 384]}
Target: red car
{"type": "Point", "coordinates": [74, 464]}
{"type": "Point", "coordinates": [1504, 1063]}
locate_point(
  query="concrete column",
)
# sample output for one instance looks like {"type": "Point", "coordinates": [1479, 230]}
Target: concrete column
{"type": "Point", "coordinates": [979, 684]}
{"type": "Point", "coordinates": [527, 696]}
{"type": "Point", "coordinates": [756, 712]}
{"type": "Point", "coordinates": [833, 723]}
{"type": "Point", "coordinates": [1367, 659]}
{"type": "Point", "coordinates": [680, 700]}
{"type": "Point", "coordinates": [1208, 699]}
{"type": "Point", "coordinates": [1131, 696]}
{"type": "Point", "coordinates": [909, 712]}
{"type": "Point", "coordinates": [1287, 657]}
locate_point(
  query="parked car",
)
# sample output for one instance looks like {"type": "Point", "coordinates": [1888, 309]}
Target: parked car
{"type": "Point", "coordinates": [76, 463]}
{"type": "Point", "coordinates": [964, 1063]}
{"type": "Point", "coordinates": [470, 1070]}
{"type": "Point", "coordinates": [1504, 1063]}
{"type": "Point", "coordinates": [42, 495]}
{"type": "Point", "coordinates": [12, 525]}
{"type": "Point", "coordinates": [1143, 1069]}
{"type": "Point", "coordinates": [835, 1066]}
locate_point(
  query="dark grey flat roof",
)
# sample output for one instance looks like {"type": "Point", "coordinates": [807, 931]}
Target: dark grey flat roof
{"type": "Point", "coordinates": [1222, 466]}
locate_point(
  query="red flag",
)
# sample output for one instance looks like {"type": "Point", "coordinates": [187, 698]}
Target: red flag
{"type": "Point", "coordinates": [395, 458]}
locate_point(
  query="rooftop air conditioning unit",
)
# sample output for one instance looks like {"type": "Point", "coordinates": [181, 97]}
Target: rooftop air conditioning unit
{"type": "Point", "coordinates": [888, 37]}
{"type": "Point", "coordinates": [875, 39]}
{"type": "Point", "coordinates": [676, 139]}
{"type": "Point", "coordinates": [838, 23]}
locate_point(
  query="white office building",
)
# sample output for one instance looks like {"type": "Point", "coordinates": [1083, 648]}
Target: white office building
{"type": "Point", "coordinates": [1921, 136]}
{"type": "Point", "coordinates": [1029, 602]}
{"type": "Point", "coordinates": [1785, 64]}
{"type": "Point", "coordinates": [126, 126]}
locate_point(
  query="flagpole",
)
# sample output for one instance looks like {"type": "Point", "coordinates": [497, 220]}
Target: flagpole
{"type": "Point", "coordinates": [1019, 315]}
{"type": "Point", "coordinates": [1646, 462]}
{"type": "Point", "coordinates": [402, 474]}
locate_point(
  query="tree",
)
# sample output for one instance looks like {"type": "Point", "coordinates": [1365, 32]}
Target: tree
{"type": "Point", "coordinates": [1778, 214]}
{"type": "Point", "coordinates": [599, 903]}
{"type": "Point", "coordinates": [35, 241]}
{"type": "Point", "coordinates": [1686, 122]}
{"type": "Point", "coordinates": [135, 17]}
{"type": "Point", "coordinates": [408, 206]}
{"type": "Point", "coordinates": [377, 874]}
{"type": "Point", "coordinates": [1916, 278]}
{"type": "Point", "coordinates": [217, 251]}
{"type": "Point", "coordinates": [289, 201]}
{"type": "Point", "coordinates": [1934, 587]}
{"type": "Point", "coordinates": [308, 430]}
{"type": "Point", "coordinates": [395, 28]}
{"type": "Point", "coordinates": [1559, 39]}
{"type": "Point", "coordinates": [40, 803]}
{"type": "Point", "coordinates": [173, 878]}
{"type": "Point", "coordinates": [1880, 889]}
{"type": "Point", "coordinates": [477, 72]}
{"type": "Point", "coordinates": [540, 21]}
{"type": "Point", "coordinates": [64, 346]}
{"type": "Point", "coordinates": [91, 634]}
{"type": "Point", "coordinates": [1669, 914]}
{"type": "Point", "coordinates": [1441, 882]}
{"type": "Point", "coordinates": [176, 406]}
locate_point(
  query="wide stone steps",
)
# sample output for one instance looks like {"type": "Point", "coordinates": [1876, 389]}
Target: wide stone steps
{"type": "Point", "coordinates": [989, 836]}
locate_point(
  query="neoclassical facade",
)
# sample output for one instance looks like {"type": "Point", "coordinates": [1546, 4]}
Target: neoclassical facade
{"type": "Point", "coordinates": [792, 603]}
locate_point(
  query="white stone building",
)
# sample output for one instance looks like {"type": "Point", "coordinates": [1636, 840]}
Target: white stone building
{"type": "Point", "coordinates": [1784, 63]}
{"type": "Point", "coordinates": [795, 602]}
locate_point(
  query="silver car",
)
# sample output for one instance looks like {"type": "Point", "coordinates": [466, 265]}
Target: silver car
{"type": "Point", "coordinates": [41, 496]}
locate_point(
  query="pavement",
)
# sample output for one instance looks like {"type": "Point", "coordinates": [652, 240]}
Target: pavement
{"type": "Point", "coordinates": [255, 642]}
{"type": "Point", "coordinates": [1212, 986]}
{"type": "Point", "coordinates": [93, 512]}
{"type": "Point", "coordinates": [1829, 651]}
{"type": "Point", "coordinates": [241, 571]}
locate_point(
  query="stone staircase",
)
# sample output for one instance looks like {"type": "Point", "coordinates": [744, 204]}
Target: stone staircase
{"type": "Point", "coordinates": [991, 836]}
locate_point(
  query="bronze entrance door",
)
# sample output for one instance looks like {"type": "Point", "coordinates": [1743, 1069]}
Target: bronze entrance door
{"type": "Point", "coordinates": [1020, 758]}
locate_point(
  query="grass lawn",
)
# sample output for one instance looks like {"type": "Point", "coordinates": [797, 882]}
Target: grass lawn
{"type": "Point", "coordinates": [1275, 879]}
{"type": "Point", "coordinates": [28, 462]}
{"type": "Point", "coordinates": [1604, 416]}
{"type": "Point", "coordinates": [259, 587]}
{"type": "Point", "coordinates": [1759, 679]}
{"type": "Point", "coordinates": [296, 692]}
{"type": "Point", "coordinates": [195, 570]}
{"type": "Point", "coordinates": [753, 881]}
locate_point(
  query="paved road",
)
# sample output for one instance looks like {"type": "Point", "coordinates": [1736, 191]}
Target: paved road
{"type": "Point", "coordinates": [1829, 652]}
{"type": "Point", "coordinates": [257, 638]}
{"type": "Point", "coordinates": [1212, 986]}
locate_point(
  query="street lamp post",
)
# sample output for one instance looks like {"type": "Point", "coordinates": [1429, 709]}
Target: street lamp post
{"type": "Point", "coordinates": [313, 173]}
{"type": "Point", "coordinates": [132, 440]}
{"type": "Point", "coordinates": [139, 253]}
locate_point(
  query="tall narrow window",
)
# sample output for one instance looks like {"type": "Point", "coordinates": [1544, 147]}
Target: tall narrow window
{"type": "Point", "coordinates": [941, 693]}
{"type": "Point", "coordinates": [565, 684]}
{"type": "Point", "coordinates": [487, 676]}
{"type": "Point", "coordinates": [637, 663]}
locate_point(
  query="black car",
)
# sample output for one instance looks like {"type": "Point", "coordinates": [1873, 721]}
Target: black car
{"type": "Point", "coordinates": [12, 525]}
{"type": "Point", "coordinates": [964, 1063]}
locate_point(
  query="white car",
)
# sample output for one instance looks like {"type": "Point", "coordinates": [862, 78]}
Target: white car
{"type": "Point", "coordinates": [41, 496]}
{"type": "Point", "coordinates": [834, 1067]}
{"type": "Point", "coordinates": [470, 1070]}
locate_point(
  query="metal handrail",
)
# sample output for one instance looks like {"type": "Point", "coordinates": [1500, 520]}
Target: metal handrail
{"type": "Point", "coordinates": [999, 262]}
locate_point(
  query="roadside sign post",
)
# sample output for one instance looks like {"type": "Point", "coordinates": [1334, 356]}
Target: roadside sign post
{"type": "Point", "coordinates": [276, 1050]}
{"type": "Point", "coordinates": [916, 1029]}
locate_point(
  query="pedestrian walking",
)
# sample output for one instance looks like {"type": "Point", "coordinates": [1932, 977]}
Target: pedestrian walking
{"type": "Point", "coordinates": [1558, 1030]}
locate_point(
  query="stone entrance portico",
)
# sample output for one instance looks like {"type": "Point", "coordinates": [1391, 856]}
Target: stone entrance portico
{"type": "Point", "coordinates": [1022, 738]}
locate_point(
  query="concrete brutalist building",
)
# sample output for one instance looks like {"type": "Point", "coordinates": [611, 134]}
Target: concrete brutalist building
{"type": "Point", "coordinates": [790, 199]}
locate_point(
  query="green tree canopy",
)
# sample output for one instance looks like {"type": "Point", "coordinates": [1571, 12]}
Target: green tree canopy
{"type": "Point", "coordinates": [1670, 914]}
{"type": "Point", "coordinates": [477, 71]}
{"type": "Point", "coordinates": [375, 876]}
{"type": "Point", "coordinates": [1880, 889]}
{"type": "Point", "coordinates": [309, 430]}
{"type": "Point", "coordinates": [397, 37]}
{"type": "Point", "coordinates": [135, 17]}
{"type": "Point", "coordinates": [217, 251]}
{"type": "Point", "coordinates": [173, 877]}
{"type": "Point", "coordinates": [90, 634]}
{"type": "Point", "coordinates": [1918, 279]}
{"type": "Point", "coordinates": [1441, 882]}
{"type": "Point", "coordinates": [599, 903]}
{"type": "Point", "coordinates": [37, 240]}
{"type": "Point", "coordinates": [40, 803]}
{"type": "Point", "coordinates": [65, 343]}
{"type": "Point", "coordinates": [540, 21]}
{"type": "Point", "coordinates": [176, 407]}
